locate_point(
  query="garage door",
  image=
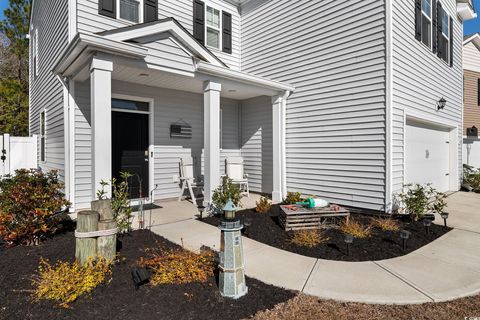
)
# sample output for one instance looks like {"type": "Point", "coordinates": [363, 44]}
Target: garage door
{"type": "Point", "coordinates": [427, 157]}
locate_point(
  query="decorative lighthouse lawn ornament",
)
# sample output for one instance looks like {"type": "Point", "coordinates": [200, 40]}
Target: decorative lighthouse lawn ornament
{"type": "Point", "coordinates": [232, 266]}
{"type": "Point", "coordinates": [313, 203]}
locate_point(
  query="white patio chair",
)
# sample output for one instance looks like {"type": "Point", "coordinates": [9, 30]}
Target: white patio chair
{"type": "Point", "coordinates": [235, 171]}
{"type": "Point", "coordinates": [187, 178]}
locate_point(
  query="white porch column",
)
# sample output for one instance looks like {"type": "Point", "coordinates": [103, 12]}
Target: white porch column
{"type": "Point", "coordinates": [211, 106]}
{"type": "Point", "coordinates": [101, 121]}
{"type": "Point", "coordinates": [277, 133]}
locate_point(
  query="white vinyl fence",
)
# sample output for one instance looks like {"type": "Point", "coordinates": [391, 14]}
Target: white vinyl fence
{"type": "Point", "coordinates": [17, 153]}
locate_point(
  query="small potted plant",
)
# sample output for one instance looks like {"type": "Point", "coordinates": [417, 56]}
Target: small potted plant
{"type": "Point", "coordinates": [103, 204]}
{"type": "Point", "coordinates": [228, 191]}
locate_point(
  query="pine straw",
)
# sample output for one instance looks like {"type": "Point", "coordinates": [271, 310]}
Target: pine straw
{"type": "Point", "coordinates": [304, 307]}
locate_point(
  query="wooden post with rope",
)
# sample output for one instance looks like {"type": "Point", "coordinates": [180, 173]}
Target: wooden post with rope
{"type": "Point", "coordinates": [86, 248]}
{"type": "Point", "coordinates": [107, 244]}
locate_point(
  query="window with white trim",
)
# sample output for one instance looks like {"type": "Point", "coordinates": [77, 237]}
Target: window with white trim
{"type": "Point", "coordinates": [42, 135]}
{"type": "Point", "coordinates": [130, 10]}
{"type": "Point", "coordinates": [445, 43]}
{"type": "Point", "coordinates": [213, 29]}
{"type": "Point", "coordinates": [427, 22]}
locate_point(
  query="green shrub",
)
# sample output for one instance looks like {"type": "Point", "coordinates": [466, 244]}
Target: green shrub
{"type": "Point", "coordinates": [293, 198]}
{"type": "Point", "coordinates": [415, 199]}
{"type": "Point", "coordinates": [471, 176]}
{"type": "Point", "coordinates": [28, 201]}
{"type": "Point", "coordinates": [227, 191]}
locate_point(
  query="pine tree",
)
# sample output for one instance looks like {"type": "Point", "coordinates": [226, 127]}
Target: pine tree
{"type": "Point", "coordinates": [14, 69]}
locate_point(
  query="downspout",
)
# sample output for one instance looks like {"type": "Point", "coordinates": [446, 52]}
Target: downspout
{"type": "Point", "coordinates": [283, 142]}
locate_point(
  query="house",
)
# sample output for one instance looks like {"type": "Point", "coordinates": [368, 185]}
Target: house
{"type": "Point", "coordinates": [346, 100]}
{"type": "Point", "coordinates": [471, 100]}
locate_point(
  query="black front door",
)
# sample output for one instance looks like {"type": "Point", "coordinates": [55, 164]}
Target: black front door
{"type": "Point", "coordinates": [130, 150]}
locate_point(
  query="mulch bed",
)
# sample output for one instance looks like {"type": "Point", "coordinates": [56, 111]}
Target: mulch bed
{"type": "Point", "coordinates": [118, 299]}
{"type": "Point", "coordinates": [266, 228]}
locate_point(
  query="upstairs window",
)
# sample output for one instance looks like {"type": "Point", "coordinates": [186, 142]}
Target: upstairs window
{"type": "Point", "coordinates": [434, 28]}
{"type": "Point", "coordinates": [130, 10]}
{"type": "Point", "coordinates": [427, 22]}
{"type": "Point", "coordinates": [213, 27]}
{"type": "Point", "coordinates": [444, 39]}
{"type": "Point", "coordinates": [478, 92]}
{"type": "Point", "coordinates": [136, 11]}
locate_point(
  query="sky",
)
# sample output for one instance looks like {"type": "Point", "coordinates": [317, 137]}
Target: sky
{"type": "Point", "coordinates": [3, 6]}
{"type": "Point", "coordinates": [470, 26]}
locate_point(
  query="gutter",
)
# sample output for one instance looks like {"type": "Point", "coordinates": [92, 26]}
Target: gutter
{"type": "Point", "coordinates": [226, 73]}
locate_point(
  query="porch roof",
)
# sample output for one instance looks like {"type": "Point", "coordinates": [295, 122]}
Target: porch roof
{"type": "Point", "coordinates": [132, 50]}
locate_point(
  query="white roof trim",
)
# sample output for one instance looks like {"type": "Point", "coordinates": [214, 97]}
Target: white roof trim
{"type": "Point", "coordinates": [226, 73]}
{"type": "Point", "coordinates": [169, 25]}
{"type": "Point", "coordinates": [86, 43]}
{"type": "Point", "coordinates": [475, 39]}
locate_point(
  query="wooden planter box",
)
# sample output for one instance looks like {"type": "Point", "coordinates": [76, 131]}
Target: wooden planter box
{"type": "Point", "coordinates": [296, 217]}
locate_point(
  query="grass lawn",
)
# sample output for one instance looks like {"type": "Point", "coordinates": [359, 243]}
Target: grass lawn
{"type": "Point", "coordinates": [304, 307]}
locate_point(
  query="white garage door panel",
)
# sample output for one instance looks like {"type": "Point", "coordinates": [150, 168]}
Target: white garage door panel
{"type": "Point", "coordinates": [427, 158]}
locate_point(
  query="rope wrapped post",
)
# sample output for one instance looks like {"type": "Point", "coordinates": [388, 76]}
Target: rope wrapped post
{"type": "Point", "coordinates": [107, 244]}
{"type": "Point", "coordinates": [86, 247]}
{"type": "Point", "coordinates": [104, 208]}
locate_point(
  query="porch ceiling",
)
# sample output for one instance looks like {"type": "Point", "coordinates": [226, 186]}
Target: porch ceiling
{"type": "Point", "coordinates": [156, 78]}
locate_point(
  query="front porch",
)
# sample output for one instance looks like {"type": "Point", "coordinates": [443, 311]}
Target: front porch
{"type": "Point", "coordinates": [173, 82]}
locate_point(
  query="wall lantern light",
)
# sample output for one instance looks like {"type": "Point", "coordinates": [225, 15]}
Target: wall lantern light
{"type": "Point", "coordinates": [441, 104]}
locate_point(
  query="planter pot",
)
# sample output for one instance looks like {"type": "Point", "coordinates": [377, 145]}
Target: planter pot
{"type": "Point", "coordinates": [104, 208]}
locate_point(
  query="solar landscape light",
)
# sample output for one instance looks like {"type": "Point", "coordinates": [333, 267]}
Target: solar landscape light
{"type": "Point", "coordinates": [348, 240]}
{"type": "Point", "coordinates": [444, 216]}
{"type": "Point", "coordinates": [201, 209]}
{"type": "Point", "coordinates": [140, 276]}
{"type": "Point", "coordinates": [404, 234]}
{"type": "Point", "coordinates": [427, 223]}
{"type": "Point", "coordinates": [247, 223]}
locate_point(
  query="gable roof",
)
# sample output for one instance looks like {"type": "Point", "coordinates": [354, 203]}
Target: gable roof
{"type": "Point", "coordinates": [170, 25]}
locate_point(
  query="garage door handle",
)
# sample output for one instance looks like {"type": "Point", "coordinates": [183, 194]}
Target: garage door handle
{"type": "Point", "coordinates": [447, 174]}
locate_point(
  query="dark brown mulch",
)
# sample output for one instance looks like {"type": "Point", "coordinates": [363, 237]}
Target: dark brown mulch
{"type": "Point", "coordinates": [265, 228]}
{"type": "Point", "coordinates": [118, 299]}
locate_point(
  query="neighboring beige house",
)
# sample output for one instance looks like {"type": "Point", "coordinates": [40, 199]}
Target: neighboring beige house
{"type": "Point", "coordinates": [471, 98]}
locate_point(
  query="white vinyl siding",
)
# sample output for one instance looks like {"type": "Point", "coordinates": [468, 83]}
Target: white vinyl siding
{"type": "Point", "coordinates": [471, 56]}
{"type": "Point", "coordinates": [257, 143]}
{"type": "Point", "coordinates": [333, 52]}
{"type": "Point", "coordinates": [88, 20]}
{"type": "Point", "coordinates": [50, 22]}
{"type": "Point", "coordinates": [420, 79]}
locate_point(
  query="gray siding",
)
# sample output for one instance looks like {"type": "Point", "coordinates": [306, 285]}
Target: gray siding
{"type": "Point", "coordinates": [333, 52]}
{"type": "Point", "coordinates": [170, 107]}
{"type": "Point", "coordinates": [90, 21]}
{"type": "Point", "coordinates": [257, 143]}
{"type": "Point", "coordinates": [46, 92]}
{"type": "Point", "coordinates": [420, 79]}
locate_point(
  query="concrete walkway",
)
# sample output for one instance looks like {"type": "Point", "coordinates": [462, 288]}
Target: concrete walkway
{"type": "Point", "coordinates": [446, 269]}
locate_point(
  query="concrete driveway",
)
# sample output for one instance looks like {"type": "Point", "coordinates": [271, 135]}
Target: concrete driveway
{"type": "Point", "coordinates": [446, 269]}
